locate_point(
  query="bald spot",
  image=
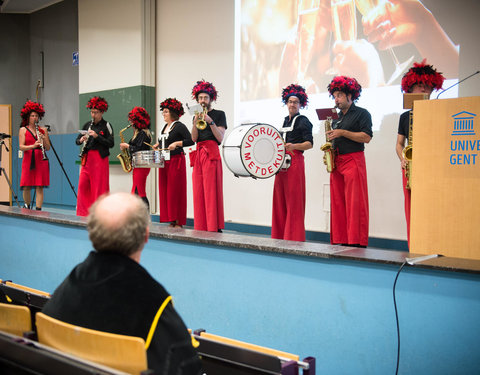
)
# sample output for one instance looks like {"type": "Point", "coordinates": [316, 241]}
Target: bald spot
{"type": "Point", "coordinates": [113, 211]}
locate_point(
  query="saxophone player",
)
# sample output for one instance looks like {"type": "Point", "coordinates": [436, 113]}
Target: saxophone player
{"type": "Point", "coordinates": [139, 118]}
{"type": "Point", "coordinates": [33, 141]}
{"type": "Point", "coordinates": [96, 142]}
{"type": "Point", "coordinates": [348, 181]}
{"type": "Point", "coordinates": [421, 78]}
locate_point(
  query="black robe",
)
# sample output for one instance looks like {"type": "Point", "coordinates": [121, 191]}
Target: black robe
{"type": "Point", "coordinates": [112, 293]}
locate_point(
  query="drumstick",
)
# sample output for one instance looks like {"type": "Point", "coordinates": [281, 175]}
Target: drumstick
{"type": "Point", "coordinates": [159, 149]}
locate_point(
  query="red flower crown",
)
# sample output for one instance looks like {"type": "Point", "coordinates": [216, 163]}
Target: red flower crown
{"type": "Point", "coordinates": [345, 84]}
{"type": "Point", "coordinates": [139, 118]}
{"type": "Point", "coordinates": [295, 90]}
{"type": "Point", "coordinates": [422, 73]}
{"type": "Point", "coordinates": [174, 105]}
{"type": "Point", "coordinates": [97, 102]}
{"type": "Point", "coordinates": [30, 107]}
{"type": "Point", "coordinates": [206, 87]}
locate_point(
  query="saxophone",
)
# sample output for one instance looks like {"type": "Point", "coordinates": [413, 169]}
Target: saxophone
{"type": "Point", "coordinates": [327, 148]}
{"type": "Point", "coordinates": [407, 152]}
{"type": "Point", "coordinates": [124, 156]}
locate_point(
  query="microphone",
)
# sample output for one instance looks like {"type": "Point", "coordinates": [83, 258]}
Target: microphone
{"type": "Point", "coordinates": [3, 136]}
{"type": "Point", "coordinates": [455, 84]}
{"type": "Point", "coordinates": [413, 261]}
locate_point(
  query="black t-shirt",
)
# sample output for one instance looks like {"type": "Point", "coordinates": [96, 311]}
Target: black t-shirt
{"type": "Point", "coordinates": [138, 143]}
{"type": "Point", "coordinates": [179, 132]}
{"type": "Point", "coordinates": [356, 119]}
{"type": "Point", "coordinates": [302, 131]}
{"type": "Point", "coordinates": [220, 120]}
{"type": "Point", "coordinates": [403, 124]}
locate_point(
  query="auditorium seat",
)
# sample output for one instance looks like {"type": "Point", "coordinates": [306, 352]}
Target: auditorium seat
{"type": "Point", "coordinates": [15, 319]}
{"type": "Point", "coordinates": [23, 295]}
{"type": "Point", "coordinates": [125, 353]}
{"type": "Point", "coordinates": [222, 355]}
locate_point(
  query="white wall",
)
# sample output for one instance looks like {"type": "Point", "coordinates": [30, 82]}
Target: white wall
{"type": "Point", "coordinates": [110, 44]}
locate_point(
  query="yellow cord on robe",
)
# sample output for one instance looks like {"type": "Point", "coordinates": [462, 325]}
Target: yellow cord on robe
{"type": "Point", "coordinates": [153, 327]}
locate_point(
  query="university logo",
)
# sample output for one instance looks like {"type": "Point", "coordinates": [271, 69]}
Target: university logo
{"type": "Point", "coordinates": [463, 123]}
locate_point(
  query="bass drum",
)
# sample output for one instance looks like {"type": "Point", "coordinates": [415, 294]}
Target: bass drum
{"type": "Point", "coordinates": [254, 150]}
{"type": "Point", "coordinates": [148, 159]}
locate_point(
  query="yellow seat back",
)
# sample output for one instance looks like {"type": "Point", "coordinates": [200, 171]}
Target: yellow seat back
{"type": "Point", "coordinates": [246, 345]}
{"type": "Point", "coordinates": [125, 353]}
{"type": "Point", "coordinates": [15, 319]}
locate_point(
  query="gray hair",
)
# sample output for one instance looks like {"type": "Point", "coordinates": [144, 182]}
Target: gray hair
{"type": "Point", "coordinates": [123, 234]}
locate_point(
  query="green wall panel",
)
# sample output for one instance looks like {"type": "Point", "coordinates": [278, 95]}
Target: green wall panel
{"type": "Point", "coordinates": [120, 102]}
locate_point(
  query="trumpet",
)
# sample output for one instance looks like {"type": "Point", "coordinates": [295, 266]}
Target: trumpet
{"type": "Point", "coordinates": [40, 138]}
{"type": "Point", "coordinates": [201, 123]}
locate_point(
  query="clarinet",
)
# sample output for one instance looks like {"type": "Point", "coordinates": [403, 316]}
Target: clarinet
{"type": "Point", "coordinates": [37, 130]}
{"type": "Point", "coordinates": [84, 147]}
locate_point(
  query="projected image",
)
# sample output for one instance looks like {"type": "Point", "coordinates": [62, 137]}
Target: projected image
{"type": "Point", "coordinates": [310, 41]}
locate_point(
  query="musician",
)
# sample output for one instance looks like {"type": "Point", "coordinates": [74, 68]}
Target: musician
{"type": "Point", "coordinates": [173, 176]}
{"type": "Point", "coordinates": [421, 78]}
{"type": "Point", "coordinates": [110, 291]}
{"type": "Point", "coordinates": [288, 213]}
{"type": "Point", "coordinates": [348, 181]}
{"type": "Point", "coordinates": [140, 120]}
{"type": "Point", "coordinates": [207, 165]}
{"type": "Point", "coordinates": [98, 139]}
{"type": "Point", "coordinates": [34, 142]}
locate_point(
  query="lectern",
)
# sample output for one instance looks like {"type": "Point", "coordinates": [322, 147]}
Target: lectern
{"type": "Point", "coordinates": [445, 211]}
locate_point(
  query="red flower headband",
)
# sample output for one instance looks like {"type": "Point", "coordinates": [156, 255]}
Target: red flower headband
{"type": "Point", "coordinates": [345, 84]}
{"type": "Point", "coordinates": [206, 87]}
{"type": "Point", "coordinates": [295, 90]}
{"type": "Point", "coordinates": [422, 73]}
{"type": "Point", "coordinates": [30, 107]}
{"type": "Point", "coordinates": [99, 103]}
{"type": "Point", "coordinates": [174, 105]}
{"type": "Point", "coordinates": [139, 118]}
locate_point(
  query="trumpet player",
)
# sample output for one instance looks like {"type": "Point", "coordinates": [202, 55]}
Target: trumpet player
{"type": "Point", "coordinates": [96, 142]}
{"type": "Point", "coordinates": [348, 182]}
{"type": "Point", "coordinates": [33, 142]}
{"type": "Point", "coordinates": [420, 78]}
{"type": "Point", "coordinates": [173, 176]}
{"type": "Point", "coordinates": [207, 131]}
{"type": "Point", "coordinates": [140, 120]}
{"type": "Point", "coordinates": [288, 209]}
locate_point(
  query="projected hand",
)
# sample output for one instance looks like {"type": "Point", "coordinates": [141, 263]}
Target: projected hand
{"type": "Point", "coordinates": [395, 23]}
{"type": "Point", "coordinates": [398, 22]}
{"type": "Point", "coordinates": [359, 59]}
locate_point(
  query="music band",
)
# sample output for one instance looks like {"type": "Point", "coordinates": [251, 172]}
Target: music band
{"type": "Point", "coordinates": [346, 137]}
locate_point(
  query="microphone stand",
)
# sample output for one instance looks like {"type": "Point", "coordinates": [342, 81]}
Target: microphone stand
{"type": "Point", "coordinates": [2, 143]}
{"type": "Point", "coordinates": [60, 162]}
{"type": "Point", "coordinates": [455, 84]}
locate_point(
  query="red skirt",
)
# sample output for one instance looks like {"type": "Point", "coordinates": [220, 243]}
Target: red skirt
{"type": "Point", "coordinates": [93, 181]}
{"type": "Point", "coordinates": [139, 177]}
{"type": "Point", "coordinates": [207, 181]}
{"type": "Point", "coordinates": [288, 209]}
{"type": "Point", "coordinates": [173, 190]}
{"type": "Point", "coordinates": [349, 200]}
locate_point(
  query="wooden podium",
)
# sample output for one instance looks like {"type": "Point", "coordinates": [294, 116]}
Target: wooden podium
{"type": "Point", "coordinates": [445, 212]}
{"type": "Point", "coordinates": [6, 127]}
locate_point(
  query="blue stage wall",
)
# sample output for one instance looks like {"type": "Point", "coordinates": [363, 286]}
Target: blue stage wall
{"type": "Point", "coordinates": [341, 312]}
{"type": "Point", "coordinates": [59, 192]}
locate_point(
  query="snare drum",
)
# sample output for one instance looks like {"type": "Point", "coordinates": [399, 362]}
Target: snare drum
{"type": "Point", "coordinates": [148, 159]}
{"type": "Point", "coordinates": [254, 150]}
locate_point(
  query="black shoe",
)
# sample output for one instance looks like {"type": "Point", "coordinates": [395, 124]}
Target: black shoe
{"type": "Point", "coordinates": [38, 208]}
{"type": "Point", "coordinates": [219, 231]}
